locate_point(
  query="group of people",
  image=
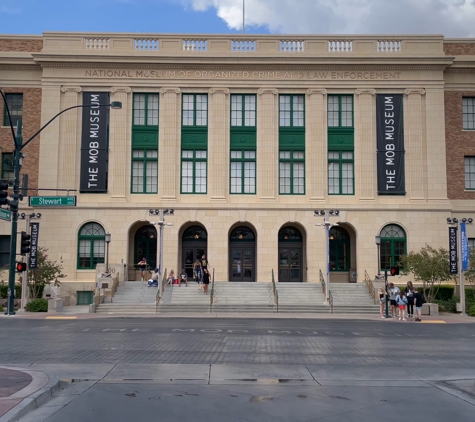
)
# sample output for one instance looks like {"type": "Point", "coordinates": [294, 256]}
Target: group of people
{"type": "Point", "coordinates": [400, 300]}
{"type": "Point", "coordinates": [200, 272]}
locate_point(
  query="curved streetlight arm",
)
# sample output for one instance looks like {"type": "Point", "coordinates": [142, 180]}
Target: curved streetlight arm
{"type": "Point", "coordinates": [9, 117]}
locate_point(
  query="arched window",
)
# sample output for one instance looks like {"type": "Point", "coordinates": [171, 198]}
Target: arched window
{"type": "Point", "coordinates": [195, 233]}
{"type": "Point", "coordinates": [290, 234]}
{"type": "Point", "coordinates": [242, 233]}
{"type": "Point", "coordinates": [339, 249]}
{"type": "Point", "coordinates": [393, 245]}
{"type": "Point", "coordinates": [91, 246]}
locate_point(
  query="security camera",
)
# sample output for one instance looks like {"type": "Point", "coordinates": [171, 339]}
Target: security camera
{"type": "Point", "coordinates": [337, 212]}
{"type": "Point", "coordinates": [470, 221]}
{"type": "Point", "coordinates": [38, 215]}
{"type": "Point", "coordinates": [464, 220]}
{"type": "Point", "coordinates": [455, 220]}
{"type": "Point", "coordinates": [449, 220]}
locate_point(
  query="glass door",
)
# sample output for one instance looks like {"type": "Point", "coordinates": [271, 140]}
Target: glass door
{"type": "Point", "coordinates": [190, 255]}
{"type": "Point", "coordinates": [290, 265]}
{"type": "Point", "coordinates": [242, 264]}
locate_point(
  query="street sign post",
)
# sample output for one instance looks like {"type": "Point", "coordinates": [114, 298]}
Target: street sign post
{"type": "Point", "coordinates": [5, 215]}
{"type": "Point", "coordinates": [52, 201]}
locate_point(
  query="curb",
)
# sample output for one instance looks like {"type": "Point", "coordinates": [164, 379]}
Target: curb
{"type": "Point", "coordinates": [37, 393]}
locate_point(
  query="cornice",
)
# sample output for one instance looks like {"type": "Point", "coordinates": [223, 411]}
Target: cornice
{"type": "Point", "coordinates": [361, 91]}
{"type": "Point", "coordinates": [21, 67]}
{"type": "Point", "coordinates": [321, 91]}
{"type": "Point", "coordinates": [170, 91]}
{"type": "Point", "coordinates": [419, 91]}
{"type": "Point", "coordinates": [217, 90]}
{"type": "Point", "coordinates": [272, 91]}
{"type": "Point", "coordinates": [65, 88]}
{"type": "Point", "coordinates": [125, 89]}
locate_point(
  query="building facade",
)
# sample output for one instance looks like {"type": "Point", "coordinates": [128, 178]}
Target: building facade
{"type": "Point", "coordinates": [247, 139]}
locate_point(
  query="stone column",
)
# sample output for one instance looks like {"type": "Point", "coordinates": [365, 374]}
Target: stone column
{"type": "Point", "coordinates": [316, 144]}
{"type": "Point", "coordinates": [218, 144]}
{"type": "Point", "coordinates": [169, 144]}
{"type": "Point", "coordinates": [365, 144]}
{"type": "Point", "coordinates": [119, 146]}
{"type": "Point", "coordinates": [267, 144]}
{"type": "Point", "coordinates": [416, 170]}
{"type": "Point", "coordinates": [68, 147]}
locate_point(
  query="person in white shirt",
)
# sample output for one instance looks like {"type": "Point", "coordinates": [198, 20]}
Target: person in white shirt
{"type": "Point", "coordinates": [393, 293]}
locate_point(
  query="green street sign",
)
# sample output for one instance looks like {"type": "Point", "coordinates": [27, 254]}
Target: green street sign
{"type": "Point", "coordinates": [52, 201]}
{"type": "Point", "coordinates": [5, 215]}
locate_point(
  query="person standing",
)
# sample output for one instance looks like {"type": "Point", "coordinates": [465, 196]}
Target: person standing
{"type": "Point", "coordinates": [401, 301]}
{"type": "Point", "coordinates": [143, 266]}
{"type": "Point", "coordinates": [410, 299]}
{"type": "Point", "coordinates": [198, 272]}
{"type": "Point", "coordinates": [154, 279]}
{"type": "Point", "coordinates": [418, 301]}
{"type": "Point", "coordinates": [205, 267]}
{"type": "Point", "coordinates": [382, 301]}
{"type": "Point", "coordinates": [393, 293]}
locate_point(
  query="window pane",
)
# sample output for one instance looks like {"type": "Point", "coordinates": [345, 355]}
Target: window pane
{"type": "Point", "coordinates": [250, 107]}
{"type": "Point", "coordinates": [469, 172]}
{"type": "Point", "coordinates": [284, 112]}
{"type": "Point", "coordinates": [284, 178]}
{"type": "Point", "coordinates": [347, 110]}
{"type": "Point", "coordinates": [152, 154]}
{"type": "Point", "coordinates": [347, 155]}
{"type": "Point", "coordinates": [200, 154]}
{"type": "Point", "coordinates": [236, 110]}
{"type": "Point", "coordinates": [298, 155]}
{"type": "Point", "coordinates": [285, 154]}
{"type": "Point", "coordinates": [92, 229]}
{"type": "Point", "coordinates": [236, 154]}
{"type": "Point", "coordinates": [299, 178]}
{"type": "Point", "coordinates": [333, 178]}
{"type": "Point", "coordinates": [468, 108]}
{"type": "Point", "coordinates": [298, 111]}
{"type": "Point", "coordinates": [15, 105]}
{"type": "Point", "coordinates": [236, 177]}
{"type": "Point", "coordinates": [152, 177]}
{"type": "Point", "coordinates": [249, 177]}
{"type": "Point", "coordinates": [137, 153]}
{"type": "Point", "coordinates": [152, 118]}
{"type": "Point", "coordinates": [201, 110]}
{"type": "Point", "coordinates": [188, 110]}
{"type": "Point", "coordinates": [8, 172]}
{"type": "Point", "coordinates": [187, 176]}
{"type": "Point", "coordinates": [137, 177]}
{"type": "Point", "coordinates": [187, 154]}
{"type": "Point", "coordinates": [139, 109]}
{"type": "Point", "coordinates": [333, 155]}
{"type": "Point", "coordinates": [200, 182]}
{"type": "Point", "coordinates": [333, 111]}
{"type": "Point", "coordinates": [347, 179]}
{"type": "Point", "coordinates": [250, 154]}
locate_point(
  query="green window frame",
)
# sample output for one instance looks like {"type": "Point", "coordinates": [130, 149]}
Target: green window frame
{"type": "Point", "coordinates": [469, 173]}
{"type": "Point", "coordinates": [243, 172]}
{"type": "Point", "coordinates": [91, 246]}
{"type": "Point", "coordinates": [4, 250]}
{"type": "Point", "coordinates": [8, 170]}
{"type": "Point", "coordinates": [393, 245]}
{"type": "Point", "coordinates": [194, 171]}
{"type": "Point", "coordinates": [292, 111]}
{"type": "Point", "coordinates": [146, 109]}
{"type": "Point", "coordinates": [144, 171]}
{"type": "Point", "coordinates": [15, 105]}
{"type": "Point", "coordinates": [195, 110]}
{"type": "Point", "coordinates": [341, 177]}
{"type": "Point", "coordinates": [340, 249]}
{"type": "Point", "coordinates": [243, 110]}
{"type": "Point", "coordinates": [468, 113]}
{"type": "Point", "coordinates": [340, 111]}
{"type": "Point", "coordinates": [291, 172]}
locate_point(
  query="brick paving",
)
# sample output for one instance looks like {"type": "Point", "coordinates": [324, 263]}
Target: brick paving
{"type": "Point", "coordinates": [11, 381]}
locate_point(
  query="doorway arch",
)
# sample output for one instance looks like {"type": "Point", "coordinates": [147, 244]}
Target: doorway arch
{"type": "Point", "coordinates": [194, 243]}
{"type": "Point", "coordinates": [145, 245]}
{"type": "Point", "coordinates": [290, 255]}
{"type": "Point", "coordinates": [242, 254]}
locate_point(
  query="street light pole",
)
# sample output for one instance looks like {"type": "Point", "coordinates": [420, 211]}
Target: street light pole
{"type": "Point", "coordinates": [108, 240]}
{"type": "Point", "coordinates": [378, 243]}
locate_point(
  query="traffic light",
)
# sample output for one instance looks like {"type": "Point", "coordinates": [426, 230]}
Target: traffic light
{"type": "Point", "coordinates": [394, 270]}
{"type": "Point", "coordinates": [25, 243]}
{"type": "Point", "coordinates": [21, 266]}
{"type": "Point", "coordinates": [3, 192]}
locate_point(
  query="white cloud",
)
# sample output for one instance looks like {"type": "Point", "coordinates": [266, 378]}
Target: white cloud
{"type": "Point", "coordinates": [453, 18]}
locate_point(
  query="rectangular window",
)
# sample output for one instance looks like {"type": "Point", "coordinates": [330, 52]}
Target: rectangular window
{"type": "Point", "coordinates": [144, 171]}
{"type": "Point", "coordinates": [15, 105]}
{"type": "Point", "coordinates": [292, 172]}
{"type": "Point", "coordinates": [243, 110]}
{"type": "Point", "coordinates": [8, 172]}
{"type": "Point", "coordinates": [471, 243]}
{"type": "Point", "coordinates": [195, 110]}
{"type": "Point", "coordinates": [4, 251]}
{"type": "Point", "coordinates": [292, 111]}
{"type": "Point", "coordinates": [341, 173]}
{"type": "Point", "coordinates": [340, 111]}
{"type": "Point", "coordinates": [469, 173]}
{"type": "Point", "coordinates": [243, 172]}
{"type": "Point", "coordinates": [146, 109]}
{"type": "Point", "coordinates": [193, 171]}
{"type": "Point", "coordinates": [468, 110]}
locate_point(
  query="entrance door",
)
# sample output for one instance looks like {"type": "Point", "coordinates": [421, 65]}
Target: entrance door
{"type": "Point", "coordinates": [242, 255]}
{"type": "Point", "coordinates": [146, 245]}
{"type": "Point", "coordinates": [194, 246]}
{"type": "Point", "coordinates": [290, 255]}
{"type": "Point", "coordinates": [290, 264]}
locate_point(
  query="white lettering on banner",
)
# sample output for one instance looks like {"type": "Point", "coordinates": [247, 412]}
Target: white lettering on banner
{"type": "Point", "coordinates": [94, 133]}
{"type": "Point", "coordinates": [390, 147]}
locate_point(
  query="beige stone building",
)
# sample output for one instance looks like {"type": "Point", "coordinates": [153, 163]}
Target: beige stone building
{"type": "Point", "coordinates": [244, 138]}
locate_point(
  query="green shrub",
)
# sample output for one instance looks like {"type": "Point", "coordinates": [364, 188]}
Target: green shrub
{"type": "Point", "coordinates": [447, 305]}
{"type": "Point", "coordinates": [471, 310]}
{"type": "Point", "coordinates": [37, 305]}
{"type": "Point", "coordinates": [4, 291]}
{"type": "Point", "coordinates": [470, 295]}
{"type": "Point", "coordinates": [444, 293]}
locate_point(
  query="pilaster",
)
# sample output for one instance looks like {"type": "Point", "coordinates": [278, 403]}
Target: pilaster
{"type": "Point", "coordinates": [218, 144]}
{"type": "Point", "coordinates": [316, 144]}
{"type": "Point", "coordinates": [365, 144]}
{"type": "Point", "coordinates": [268, 144]}
{"type": "Point", "coordinates": [169, 145]}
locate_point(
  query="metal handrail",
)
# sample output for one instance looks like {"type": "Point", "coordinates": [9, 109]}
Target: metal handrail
{"type": "Point", "coordinates": [322, 281]}
{"type": "Point", "coordinates": [211, 296]}
{"type": "Point", "coordinates": [330, 300]}
{"type": "Point", "coordinates": [276, 293]}
{"type": "Point", "coordinates": [369, 283]}
{"type": "Point", "coordinates": [160, 291]}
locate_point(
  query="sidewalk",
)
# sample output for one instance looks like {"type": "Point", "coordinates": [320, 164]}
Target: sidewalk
{"type": "Point", "coordinates": [22, 391]}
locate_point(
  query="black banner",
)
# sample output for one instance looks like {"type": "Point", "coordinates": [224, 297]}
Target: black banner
{"type": "Point", "coordinates": [94, 142]}
{"type": "Point", "coordinates": [34, 230]}
{"type": "Point", "coordinates": [390, 144]}
{"type": "Point", "coordinates": [453, 256]}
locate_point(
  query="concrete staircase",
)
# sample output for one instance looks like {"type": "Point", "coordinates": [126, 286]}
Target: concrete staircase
{"type": "Point", "coordinates": [134, 297]}
{"type": "Point", "coordinates": [301, 297]}
{"type": "Point", "coordinates": [243, 297]}
{"type": "Point", "coordinates": [352, 298]}
{"type": "Point", "coordinates": [184, 299]}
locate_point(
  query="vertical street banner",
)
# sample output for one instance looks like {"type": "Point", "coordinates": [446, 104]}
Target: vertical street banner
{"type": "Point", "coordinates": [94, 151]}
{"type": "Point", "coordinates": [390, 144]}
{"type": "Point", "coordinates": [453, 257]}
{"type": "Point", "coordinates": [34, 231]}
{"type": "Point", "coordinates": [464, 251]}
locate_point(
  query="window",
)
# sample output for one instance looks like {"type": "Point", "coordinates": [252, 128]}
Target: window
{"type": "Point", "coordinates": [340, 173]}
{"type": "Point", "coordinates": [292, 172]}
{"type": "Point", "coordinates": [146, 109]}
{"type": "Point", "coordinates": [340, 111]}
{"type": "Point", "coordinates": [15, 105]}
{"type": "Point", "coordinates": [292, 111]}
{"type": "Point", "coordinates": [4, 251]}
{"type": "Point", "coordinates": [468, 110]}
{"type": "Point", "coordinates": [195, 110]}
{"type": "Point", "coordinates": [144, 171]}
{"type": "Point", "coordinates": [469, 173]}
{"type": "Point", "coordinates": [393, 245]}
{"type": "Point", "coordinates": [243, 172]}
{"type": "Point", "coordinates": [91, 246]}
{"type": "Point", "coordinates": [243, 110]}
{"type": "Point", "coordinates": [193, 171]}
{"type": "Point", "coordinates": [471, 243]}
{"type": "Point", "coordinates": [8, 172]}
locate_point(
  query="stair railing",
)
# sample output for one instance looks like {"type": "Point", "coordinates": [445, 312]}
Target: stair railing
{"type": "Point", "coordinates": [322, 281]}
{"type": "Point", "coordinates": [370, 285]}
{"type": "Point", "coordinates": [211, 296]}
{"type": "Point", "coordinates": [160, 291]}
{"type": "Point", "coordinates": [330, 300]}
{"type": "Point", "coordinates": [276, 293]}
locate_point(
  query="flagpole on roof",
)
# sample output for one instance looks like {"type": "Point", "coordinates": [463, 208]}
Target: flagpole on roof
{"type": "Point", "coordinates": [243, 16]}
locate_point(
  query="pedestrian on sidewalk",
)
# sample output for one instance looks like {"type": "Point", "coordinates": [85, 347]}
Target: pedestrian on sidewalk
{"type": "Point", "coordinates": [401, 301]}
{"type": "Point", "coordinates": [206, 275]}
{"type": "Point", "coordinates": [410, 299]}
{"type": "Point", "coordinates": [198, 272]}
{"type": "Point", "coordinates": [418, 301]}
{"type": "Point", "coordinates": [393, 293]}
{"type": "Point", "coordinates": [382, 301]}
{"type": "Point", "coordinates": [143, 266]}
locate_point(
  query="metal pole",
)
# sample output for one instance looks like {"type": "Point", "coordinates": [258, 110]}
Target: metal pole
{"type": "Point", "coordinates": [461, 277]}
{"type": "Point", "coordinates": [387, 293]}
{"type": "Point", "coordinates": [243, 16]}
{"type": "Point", "coordinates": [107, 257]}
{"type": "Point", "coordinates": [379, 259]}
{"type": "Point", "coordinates": [160, 253]}
{"type": "Point", "coordinates": [24, 278]}
{"type": "Point", "coordinates": [327, 252]}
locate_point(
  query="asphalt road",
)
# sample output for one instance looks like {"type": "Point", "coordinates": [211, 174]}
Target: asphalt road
{"type": "Point", "coordinates": [205, 341]}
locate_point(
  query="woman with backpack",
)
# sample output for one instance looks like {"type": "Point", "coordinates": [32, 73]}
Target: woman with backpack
{"type": "Point", "coordinates": [410, 299]}
{"type": "Point", "coordinates": [401, 301]}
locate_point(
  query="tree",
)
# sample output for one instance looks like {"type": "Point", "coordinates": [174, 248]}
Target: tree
{"type": "Point", "coordinates": [429, 266]}
{"type": "Point", "coordinates": [48, 272]}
